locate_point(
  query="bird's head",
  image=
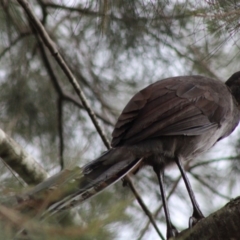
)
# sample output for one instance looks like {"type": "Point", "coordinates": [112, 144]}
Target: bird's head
{"type": "Point", "coordinates": [234, 85]}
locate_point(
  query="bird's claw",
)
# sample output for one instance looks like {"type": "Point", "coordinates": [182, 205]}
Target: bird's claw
{"type": "Point", "coordinates": [172, 232]}
{"type": "Point", "coordinates": [193, 221]}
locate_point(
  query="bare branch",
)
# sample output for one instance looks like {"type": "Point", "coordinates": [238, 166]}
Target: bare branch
{"type": "Point", "coordinates": [209, 187]}
{"type": "Point", "coordinates": [58, 87]}
{"type": "Point", "coordinates": [144, 207]}
{"type": "Point", "coordinates": [14, 42]}
{"type": "Point", "coordinates": [202, 163]}
{"type": "Point", "coordinates": [143, 231]}
{"type": "Point", "coordinates": [53, 49]}
{"type": "Point", "coordinates": [60, 131]}
{"type": "Point", "coordinates": [20, 161]}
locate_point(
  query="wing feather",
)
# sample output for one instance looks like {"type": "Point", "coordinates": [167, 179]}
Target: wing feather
{"type": "Point", "coordinates": [175, 106]}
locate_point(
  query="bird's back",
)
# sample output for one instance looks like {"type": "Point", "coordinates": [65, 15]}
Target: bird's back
{"type": "Point", "coordinates": [177, 116]}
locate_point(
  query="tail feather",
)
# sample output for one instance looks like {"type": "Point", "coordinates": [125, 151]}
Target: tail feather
{"type": "Point", "coordinates": [71, 187]}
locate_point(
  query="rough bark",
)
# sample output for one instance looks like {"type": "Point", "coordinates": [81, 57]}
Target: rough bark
{"type": "Point", "coordinates": [223, 224]}
{"type": "Point", "coordinates": [20, 161]}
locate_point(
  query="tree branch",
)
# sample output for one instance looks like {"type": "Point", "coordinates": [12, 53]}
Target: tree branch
{"type": "Point", "coordinates": [53, 49]}
{"type": "Point", "coordinates": [221, 225]}
{"type": "Point", "coordinates": [60, 131]}
{"type": "Point", "coordinates": [20, 161]}
{"type": "Point", "coordinates": [144, 230]}
{"type": "Point", "coordinates": [59, 88]}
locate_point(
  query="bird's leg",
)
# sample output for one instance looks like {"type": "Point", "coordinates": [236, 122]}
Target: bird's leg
{"type": "Point", "coordinates": [197, 214]}
{"type": "Point", "coordinates": [171, 230]}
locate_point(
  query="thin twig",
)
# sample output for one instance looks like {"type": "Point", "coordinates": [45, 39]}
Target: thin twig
{"type": "Point", "coordinates": [143, 206]}
{"type": "Point", "coordinates": [76, 102]}
{"type": "Point", "coordinates": [14, 42]}
{"type": "Point", "coordinates": [13, 173]}
{"type": "Point", "coordinates": [209, 187]}
{"type": "Point", "coordinates": [143, 231]}
{"type": "Point", "coordinates": [58, 87]}
{"type": "Point", "coordinates": [60, 131]}
{"type": "Point", "coordinates": [202, 163]}
{"type": "Point", "coordinates": [88, 12]}
{"type": "Point", "coordinates": [53, 49]}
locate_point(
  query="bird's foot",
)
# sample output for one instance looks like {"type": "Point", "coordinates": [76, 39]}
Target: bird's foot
{"type": "Point", "coordinates": [193, 220]}
{"type": "Point", "coordinates": [172, 232]}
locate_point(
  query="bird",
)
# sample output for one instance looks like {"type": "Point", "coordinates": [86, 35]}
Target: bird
{"type": "Point", "coordinates": [170, 121]}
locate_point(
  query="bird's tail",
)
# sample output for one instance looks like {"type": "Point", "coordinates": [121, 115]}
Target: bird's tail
{"type": "Point", "coordinates": [71, 187]}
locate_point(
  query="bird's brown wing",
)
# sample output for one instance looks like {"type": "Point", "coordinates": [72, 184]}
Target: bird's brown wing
{"type": "Point", "coordinates": [174, 106]}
